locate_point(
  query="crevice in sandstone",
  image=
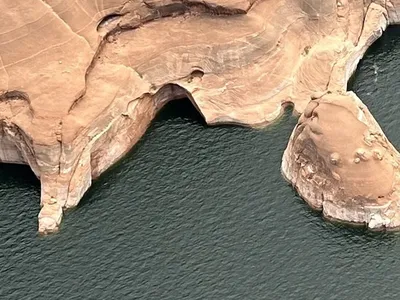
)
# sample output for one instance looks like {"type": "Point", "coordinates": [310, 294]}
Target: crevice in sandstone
{"type": "Point", "coordinates": [108, 20]}
{"type": "Point", "coordinates": [14, 95]}
{"type": "Point", "coordinates": [206, 7]}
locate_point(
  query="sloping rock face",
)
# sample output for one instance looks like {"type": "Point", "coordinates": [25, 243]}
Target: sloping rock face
{"type": "Point", "coordinates": [81, 80]}
{"type": "Point", "coordinates": [340, 162]}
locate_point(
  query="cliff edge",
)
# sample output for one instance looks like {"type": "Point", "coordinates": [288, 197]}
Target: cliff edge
{"type": "Point", "coordinates": [81, 80]}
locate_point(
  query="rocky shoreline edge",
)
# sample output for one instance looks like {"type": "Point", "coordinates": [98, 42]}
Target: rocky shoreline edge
{"type": "Point", "coordinates": [80, 84]}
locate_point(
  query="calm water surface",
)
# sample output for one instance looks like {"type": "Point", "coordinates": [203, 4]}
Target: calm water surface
{"type": "Point", "coordinates": [196, 212]}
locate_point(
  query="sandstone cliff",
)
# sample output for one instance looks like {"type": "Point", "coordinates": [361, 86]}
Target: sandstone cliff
{"type": "Point", "coordinates": [340, 162]}
{"type": "Point", "coordinates": [81, 80]}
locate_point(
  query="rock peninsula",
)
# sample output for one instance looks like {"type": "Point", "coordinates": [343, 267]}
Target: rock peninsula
{"type": "Point", "coordinates": [340, 162]}
{"type": "Point", "coordinates": [81, 80]}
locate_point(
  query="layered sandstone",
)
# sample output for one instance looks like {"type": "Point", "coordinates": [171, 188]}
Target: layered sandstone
{"type": "Point", "coordinates": [81, 80]}
{"type": "Point", "coordinates": [340, 162]}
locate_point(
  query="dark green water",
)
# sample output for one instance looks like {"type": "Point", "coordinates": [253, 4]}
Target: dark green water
{"type": "Point", "coordinates": [195, 212]}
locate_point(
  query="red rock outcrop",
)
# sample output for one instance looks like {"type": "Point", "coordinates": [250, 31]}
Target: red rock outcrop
{"type": "Point", "coordinates": [81, 80]}
{"type": "Point", "coordinates": [340, 162]}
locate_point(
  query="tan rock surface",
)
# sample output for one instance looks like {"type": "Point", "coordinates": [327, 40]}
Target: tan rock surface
{"type": "Point", "coordinates": [81, 80]}
{"type": "Point", "coordinates": [340, 162]}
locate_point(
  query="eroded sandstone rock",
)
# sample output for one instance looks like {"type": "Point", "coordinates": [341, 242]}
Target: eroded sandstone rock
{"type": "Point", "coordinates": [340, 162]}
{"type": "Point", "coordinates": [81, 80]}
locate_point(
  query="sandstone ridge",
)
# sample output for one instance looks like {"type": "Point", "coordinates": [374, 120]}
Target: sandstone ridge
{"type": "Point", "coordinates": [81, 80]}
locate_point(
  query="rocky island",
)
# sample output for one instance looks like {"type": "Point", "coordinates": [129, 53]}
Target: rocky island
{"type": "Point", "coordinates": [80, 81]}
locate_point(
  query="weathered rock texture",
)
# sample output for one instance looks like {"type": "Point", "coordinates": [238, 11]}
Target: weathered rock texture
{"type": "Point", "coordinates": [340, 162]}
{"type": "Point", "coordinates": [81, 80]}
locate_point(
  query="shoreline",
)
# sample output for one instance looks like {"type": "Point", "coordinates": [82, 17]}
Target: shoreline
{"type": "Point", "coordinates": [85, 104]}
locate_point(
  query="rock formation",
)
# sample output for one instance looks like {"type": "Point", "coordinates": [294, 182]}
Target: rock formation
{"type": "Point", "coordinates": [340, 162]}
{"type": "Point", "coordinates": [81, 80]}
